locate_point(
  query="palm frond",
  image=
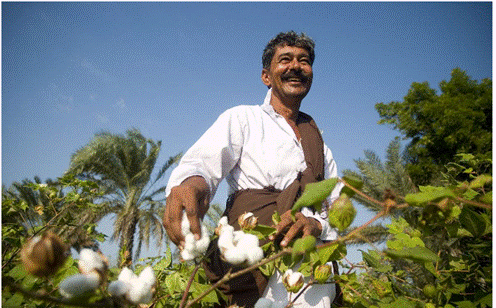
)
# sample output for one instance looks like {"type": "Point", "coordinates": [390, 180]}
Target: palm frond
{"type": "Point", "coordinates": [368, 235]}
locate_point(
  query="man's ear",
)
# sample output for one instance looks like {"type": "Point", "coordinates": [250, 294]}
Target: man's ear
{"type": "Point", "coordinates": [266, 77]}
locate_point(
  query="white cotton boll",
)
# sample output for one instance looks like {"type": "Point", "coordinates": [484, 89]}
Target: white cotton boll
{"type": "Point", "coordinates": [254, 255]}
{"type": "Point", "coordinates": [127, 275]}
{"type": "Point", "coordinates": [287, 273]}
{"type": "Point", "coordinates": [189, 242]}
{"type": "Point", "coordinates": [249, 240]}
{"type": "Point", "coordinates": [147, 276]}
{"type": "Point", "coordinates": [235, 256]}
{"type": "Point", "coordinates": [78, 285]}
{"type": "Point", "coordinates": [202, 244]}
{"type": "Point", "coordinates": [223, 221]}
{"type": "Point", "coordinates": [187, 255]}
{"type": "Point", "coordinates": [118, 288]}
{"type": "Point", "coordinates": [263, 303]}
{"type": "Point", "coordinates": [238, 235]}
{"type": "Point", "coordinates": [226, 238]}
{"type": "Point", "coordinates": [294, 278]}
{"type": "Point", "coordinates": [185, 225]}
{"type": "Point", "coordinates": [140, 293]}
{"type": "Point", "coordinates": [90, 260]}
{"type": "Point", "coordinates": [248, 243]}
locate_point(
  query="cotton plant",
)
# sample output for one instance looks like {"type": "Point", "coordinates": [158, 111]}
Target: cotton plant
{"type": "Point", "coordinates": [238, 247]}
{"type": "Point", "coordinates": [193, 249]}
{"type": "Point", "coordinates": [43, 255]}
{"type": "Point", "coordinates": [136, 289]}
{"type": "Point", "coordinates": [293, 281]}
{"type": "Point", "coordinates": [93, 268]}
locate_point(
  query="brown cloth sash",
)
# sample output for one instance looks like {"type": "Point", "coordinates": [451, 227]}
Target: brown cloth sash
{"type": "Point", "coordinates": [247, 289]}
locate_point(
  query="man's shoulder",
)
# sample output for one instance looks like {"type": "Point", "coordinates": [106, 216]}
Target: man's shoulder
{"type": "Point", "coordinates": [243, 110]}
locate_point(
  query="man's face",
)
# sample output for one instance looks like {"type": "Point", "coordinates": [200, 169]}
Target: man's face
{"type": "Point", "coordinates": [290, 74]}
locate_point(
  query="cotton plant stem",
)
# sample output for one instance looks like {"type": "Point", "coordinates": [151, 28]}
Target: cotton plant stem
{"type": "Point", "coordinates": [477, 204]}
{"type": "Point", "coordinates": [188, 286]}
{"type": "Point", "coordinates": [230, 275]}
{"type": "Point", "coordinates": [357, 230]}
{"type": "Point", "coordinates": [358, 294]}
{"type": "Point", "coordinates": [368, 198]}
{"type": "Point", "coordinates": [351, 234]}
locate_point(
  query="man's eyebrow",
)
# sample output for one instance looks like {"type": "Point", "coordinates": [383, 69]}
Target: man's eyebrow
{"type": "Point", "coordinates": [289, 53]}
{"type": "Point", "coordinates": [285, 54]}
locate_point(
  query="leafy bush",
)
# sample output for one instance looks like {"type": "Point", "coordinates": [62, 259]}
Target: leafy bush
{"type": "Point", "coordinates": [438, 253]}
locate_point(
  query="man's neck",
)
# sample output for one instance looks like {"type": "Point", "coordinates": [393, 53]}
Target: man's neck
{"type": "Point", "coordinates": [287, 109]}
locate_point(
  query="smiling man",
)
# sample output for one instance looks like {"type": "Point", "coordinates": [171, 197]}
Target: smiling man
{"type": "Point", "coordinates": [267, 154]}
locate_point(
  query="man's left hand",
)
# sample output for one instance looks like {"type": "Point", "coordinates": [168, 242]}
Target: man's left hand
{"type": "Point", "coordinates": [300, 226]}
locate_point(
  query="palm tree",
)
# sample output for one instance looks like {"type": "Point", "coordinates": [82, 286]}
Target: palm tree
{"type": "Point", "coordinates": [379, 178]}
{"type": "Point", "coordinates": [381, 181]}
{"type": "Point", "coordinates": [123, 166]}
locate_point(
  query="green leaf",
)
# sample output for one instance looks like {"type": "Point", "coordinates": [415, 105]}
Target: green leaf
{"type": "Point", "coordinates": [268, 269]}
{"type": "Point", "coordinates": [276, 218]}
{"type": "Point", "coordinates": [302, 246]}
{"type": "Point", "coordinates": [399, 302]}
{"type": "Point", "coordinates": [486, 300]}
{"type": "Point", "coordinates": [480, 181]}
{"type": "Point", "coordinates": [418, 254]}
{"type": "Point", "coordinates": [372, 260]}
{"type": "Point", "coordinates": [18, 272]}
{"type": "Point", "coordinates": [174, 283]}
{"type": "Point", "coordinates": [487, 198]}
{"type": "Point", "coordinates": [465, 304]}
{"type": "Point", "coordinates": [198, 288]}
{"type": "Point", "coordinates": [470, 194]}
{"type": "Point", "coordinates": [164, 263]}
{"type": "Point", "coordinates": [428, 194]}
{"type": "Point", "coordinates": [472, 222]}
{"type": "Point", "coordinates": [314, 194]}
{"type": "Point", "coordinates": [354, 181]}
{"type": "Point", "coordinates": [261, 231]}
{"type": "Point", "coordinates": [333, 252]}
{"type": "Point", "coordinates": [14, 301]}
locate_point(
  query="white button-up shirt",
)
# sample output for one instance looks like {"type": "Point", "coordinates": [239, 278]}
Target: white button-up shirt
{"type": "Point", "coordinates": [252, 147]}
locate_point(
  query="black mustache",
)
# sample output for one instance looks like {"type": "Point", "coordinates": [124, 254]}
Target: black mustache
{"type": "Point", "coordinates": [294, 75]}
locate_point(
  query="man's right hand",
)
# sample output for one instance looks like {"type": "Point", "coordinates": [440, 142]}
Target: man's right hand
{"type": "Point", "coordinates": [192, 197]}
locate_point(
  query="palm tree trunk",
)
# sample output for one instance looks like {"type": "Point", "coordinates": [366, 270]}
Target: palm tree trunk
{"type": "Point", "coordinates": [131, 222]}
{"type": "Point", "coordinates": [127, 243]}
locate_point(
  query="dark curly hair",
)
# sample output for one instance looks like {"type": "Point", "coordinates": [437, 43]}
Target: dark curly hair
{"type": "Point", "coordinates": [289, 38]}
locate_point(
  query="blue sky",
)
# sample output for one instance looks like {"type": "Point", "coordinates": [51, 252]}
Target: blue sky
{"type": "Point", "coordinates": [70, 70]}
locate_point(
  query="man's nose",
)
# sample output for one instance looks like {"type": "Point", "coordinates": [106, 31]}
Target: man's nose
{"type": "Point", "coordinates": [295, 65]}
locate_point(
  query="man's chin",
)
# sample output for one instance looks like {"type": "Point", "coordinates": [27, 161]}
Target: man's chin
{"type": "Point", "coordinates": [298, 92]}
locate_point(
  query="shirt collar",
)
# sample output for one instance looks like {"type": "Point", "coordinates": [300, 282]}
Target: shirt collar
{"type": "Point", "coordinates": [266, 106]}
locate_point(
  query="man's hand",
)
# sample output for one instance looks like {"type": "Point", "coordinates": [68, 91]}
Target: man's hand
{"type": "Point", "coordinates": [301, 226]}
{"type": "Point", "coordinates": [192, 197]}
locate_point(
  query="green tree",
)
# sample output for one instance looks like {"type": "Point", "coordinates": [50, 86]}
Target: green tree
{"type": "Point", "coordinates": [459, 120]}
{"type": "Point", "coordinates": [63, 206]}
{"type": "Point", "coordinates": [123, 166]}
